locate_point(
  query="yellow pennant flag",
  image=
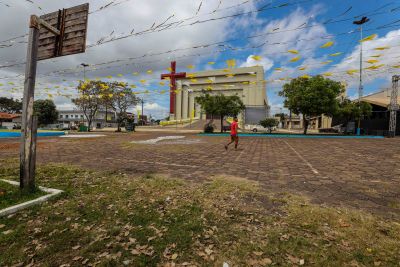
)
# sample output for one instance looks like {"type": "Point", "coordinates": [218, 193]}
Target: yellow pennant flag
{"type": "Point", "coordinates": [305, 76]}
{"type": "Point", "coordinates": [369, 38]}
{"type": "Point", "coordinates": [143, 81]}
{"type": "Point", "coordinates": [278, 69]}
{"type": "Point", "coordinates": [374, 67]}
{"type": "Point", "coordinates": [209, 88]}
{"type": "Point", "coordinates": [109, 77]}
{"type": "Point", "coordinates": [293, 51]}
{"type": "Point", "coordinates": [327, 74]}
{"type": "Point", "coordinates": [336, 54]}
{"type": "Point", "coordinates": [211, 63]}
{"type": "Point", "coordinates": [302, 68]}
{"type": "Point", "coordinates": [190, 75]}
{"type": "Point", "coordinates": [377, 55]}
{"type": "Point", "coordinates": [372, 61]}
{"type": "Point", "coordinates": [149, 71]}
{"type": "Point", "coordinates": [382, 48]}
{"type": "Point", "coordinates": [231, 63]}
{"type": "Point", "coordinates": [396, 66]}
{"type": "Point", "coordinates": [351, 72]}
{"type": "Point", "coordinates": [161, 83]}
{"type": "Point", "coordinates": [295, 59]}
{"type": "Point", "coordinates": [209, 80]}
{"type": "Point", "coordinates": [193, 80]}
{"type": "Point", "coordinates": [326, 62]}
{"type": "Point", "coordinates": [120, 75]}
{"type": "Point", "coordinates": [230, 75]}
{"type": "Point", "coordinates": [136, 73]}
{"type": "Point", "coordinates": [328, 44]}
{"type": "Point", "coordinates": [256, 58]}
{"type": "Point", "coordinates": [190, 66]}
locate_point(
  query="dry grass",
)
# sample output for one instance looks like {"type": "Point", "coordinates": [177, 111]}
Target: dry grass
{"type": "Point", "coordinates": [111, 219]}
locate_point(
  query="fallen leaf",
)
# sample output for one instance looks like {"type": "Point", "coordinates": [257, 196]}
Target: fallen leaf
{"type": "Point", "coordinates": [76, 247]}
{"type": "Point", "coordinates": [257, 253]}
{"type": "Point", "coordinates": [174, 256]}
{"type": "Point", "coordinates": [265, 261]}
{"type": "Point", "coordinates": [208, 251]}
{"type": "Point", "coordinates": [8, 232]}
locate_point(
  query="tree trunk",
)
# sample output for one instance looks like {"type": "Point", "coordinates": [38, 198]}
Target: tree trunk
{"type": "Point", "coordinates": [89, 125]}
{"type": "Point", "coordinates": [305, 121]}
{"type": "Point", "coordinates": [222, 123]}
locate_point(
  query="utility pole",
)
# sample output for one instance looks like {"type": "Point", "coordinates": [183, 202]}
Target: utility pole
{"type": "Point", "coordinates": [142, 110]}
{"type": "Point", "coordinates": [29, 122]}
{"type": "Point", "coordinates": [46, 40]}
{"type": "Point", "coordinates": [394, 107]}
{"type": "Point", "coordinates": [360, 88]}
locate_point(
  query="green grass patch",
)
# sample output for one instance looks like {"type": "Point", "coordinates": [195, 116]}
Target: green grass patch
{"type": "Point", "coordinates": [11, 195]}
{"type": "Point", "coordinates": [112, 219]}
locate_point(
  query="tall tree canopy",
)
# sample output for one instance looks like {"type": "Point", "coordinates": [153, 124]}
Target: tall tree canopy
{"type": "Point", "coordinates": [312, 97]}
{"type": "Point", "coordinates": [221, 105]}
{"type": "Point", "coordinates": [120, 99]}
{"type": "Point", "coordinates": [46, 111]}
{"type": "Point", "coordinates": [90, 98]}
{"type": "Point", "coordinates": [352, 110]}
{"type": "Point", "coordinates": [10, 105]}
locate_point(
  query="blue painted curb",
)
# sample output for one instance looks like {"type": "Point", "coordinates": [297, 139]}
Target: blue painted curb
{"type": "Point", "coordinates": [18, 134]}
{"type": "Point", "coordinates": [300, 136]}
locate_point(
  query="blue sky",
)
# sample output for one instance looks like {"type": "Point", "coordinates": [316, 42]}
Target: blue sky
{"type": "Point", "coordinates": [302, 25]}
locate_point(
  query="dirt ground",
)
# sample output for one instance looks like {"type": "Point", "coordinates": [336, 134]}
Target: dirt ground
{"type": "Point", "coordinates": [356, 173]}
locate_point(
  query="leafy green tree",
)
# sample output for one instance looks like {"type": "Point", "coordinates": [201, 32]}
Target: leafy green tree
{"type": "Point", "coordinates": [46, 111]}
{"type": "Point", "coordinates": [269, 123]}
{"type": "Point", "coordinates": [221, 105]}
{"type": "Point", "coordinates": [10, 105]}
{"type": "Point", "coordinates": [352, 110]}
{"type": "Point", "coordinates": [90, 99]}
{"type": "Point", "coordinates": [312, 97]}
{"type": "Point", "coordinates": [120, 99]}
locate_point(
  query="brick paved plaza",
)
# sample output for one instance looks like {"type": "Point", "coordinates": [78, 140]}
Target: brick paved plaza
{"type": "Point", "coordinates": [357, 173]}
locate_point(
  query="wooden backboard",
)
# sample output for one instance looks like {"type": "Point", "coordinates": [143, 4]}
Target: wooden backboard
{"type": "Point", "coordinates": [72, 24]}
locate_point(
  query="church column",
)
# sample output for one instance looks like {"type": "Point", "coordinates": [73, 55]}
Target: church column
{"type": "Point", "coordinates": [191, 105]}
{"type": "Point", "coordinates": [197, 111]}
{"type": "Point", "coordinates": [185, 103]}
{"type": "Point", "coordinates": [178, 101]}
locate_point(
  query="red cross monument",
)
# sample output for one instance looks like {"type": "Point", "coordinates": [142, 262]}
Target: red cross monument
{"type": "Point", "coordinates": [173, 76]}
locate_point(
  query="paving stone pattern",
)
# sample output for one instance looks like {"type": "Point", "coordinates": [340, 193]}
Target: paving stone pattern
{"type": "Point", "coordinates": [357, 173]}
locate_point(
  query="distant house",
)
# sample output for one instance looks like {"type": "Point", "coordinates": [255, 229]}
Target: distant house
{"type": "Point", "coordinates": [73, 118]}
{"type": "Point", "coordinates": [10, 121]}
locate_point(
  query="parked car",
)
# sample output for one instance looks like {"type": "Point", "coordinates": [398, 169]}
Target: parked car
{"type": "Point", "coordinates": [257, 128]}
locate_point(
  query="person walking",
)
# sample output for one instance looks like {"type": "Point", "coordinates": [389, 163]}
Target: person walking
{"type": "Point", "coordinates": [234, 133]}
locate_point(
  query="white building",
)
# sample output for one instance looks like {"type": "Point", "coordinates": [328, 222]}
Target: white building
{"type": "Point", "coordinates": [247, 82]}
{"type": "Point", "coordinates": [73, 118]}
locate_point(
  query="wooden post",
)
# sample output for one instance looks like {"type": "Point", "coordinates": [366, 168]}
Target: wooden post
{"type": "Point", "coordinates": [29, 124]}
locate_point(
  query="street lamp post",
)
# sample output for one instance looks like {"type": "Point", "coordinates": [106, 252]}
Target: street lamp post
{"type": "Point", "coordinates": [84, 65]}
{"type": "Point", "coordinates": [360, 88]}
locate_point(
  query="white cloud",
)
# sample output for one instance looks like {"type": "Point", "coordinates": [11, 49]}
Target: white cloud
{"type": "Point", "coordinates": [388, 57]}
{"type": "Point", "coordinates": [123, 18]}
{"type": "Point", "coordinates": [265, 62]}
{"type": "Point", "coordinates": [154, 109]}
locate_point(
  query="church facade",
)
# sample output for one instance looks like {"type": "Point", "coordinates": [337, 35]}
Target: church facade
{"type": "Point", "coordinates": [247, 82]}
